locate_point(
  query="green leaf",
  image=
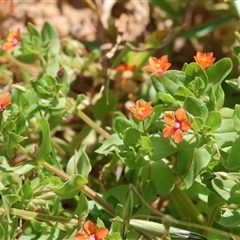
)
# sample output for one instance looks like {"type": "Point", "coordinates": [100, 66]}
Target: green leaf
{"type": "Point", "coordinates": [149, 191]}
{"type": "Point", "coordinates": [70, 188]}
{"type": "Point", "coordinates": [13, 141]}
{"type": "Point", "coordinates": [45, 146]}
{"type": "Point", "coordinates": [191, 163]}
{"type": "Point", "coordinates": [196, 107]}
{"type": "Point", "coordinates": [183, 92]}
{"type": "Point", "coordinates": [53, 67]}
{"type": "Point", "coordinates": [161, 175]}
{"type": "Point", "coordinates": [236, 118]}
{"type": "Point", "coordinates": [226, 134]}
{"type": "Point", "coordinates": [49, 34]}
{"type": "Point", "coordinates": [197, 85]}
{"type": "Point", "coordinates": [120, 124]}
{"type": "Point", "coordinates": [172, 80]}
{"type": "Point", "coordinates": [82, 207]}
{"type": "Point", "coordinates": [127, 210]}
{"type": "Point", "coordinates": [194, 73]}
{"type": "Point", "coordinates": [132, 159]}
{"type": "Point", "coordinates": [166, 98]}
{"type": "Point", "coordinates": [230, 218]}
{"type": "Point", "coordinates": [7, 201]}
{"type": "Point", "coordinates": [109, 143]}
{"type": "Point", "coordinates": [218, 72]}
{"type": "Point", "coordinates": [116, 227]}
{"type": "Point", "coordinates": [233, 159]}
{"type": "Point", "coordinates": [27, 191]}
{"type": "Point", "coordinates": [157, 84]}
{"type": "Point", "coordinates": [131, 137]}
{"type": "Point", "coordinates": [227, 189]}
{"type": "Point", "coordinates": [20, 123]}
{"type": "Point", "coordinates": [33, 32]}
{"type": "Point", "coordinates": [63, 80]}
{"type": "Point", "coordinates": [79, 163]}
{"type": "Point", "coordinates": [120, 192]}
{"type": "Point", "coordinates": [214, 121]}
{"type": "Point", "coordinates": [106, 104]}
{"type": "Point", "coordinates": [161, 147]}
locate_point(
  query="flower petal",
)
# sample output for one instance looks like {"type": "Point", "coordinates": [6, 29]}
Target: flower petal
{"type": "Point", "coordinates": [8, 46]}
{"type": "Point", "coordinates": [101, 233]}
{"type": "Point", "coordinates": [81, 236]}
{"type": "Point", "coordinates": [167, 66]}
{"type": "Point", "coordinates": [163, 60]}
{"type": "Point", "coordinates": [185, 125]}
{"type": "Point", "coordinates": [133, 110]}
{"type": "Point", "coordinates": [153, 61]}
{"type": "Point", "coordinates": [89, 227]}
{"type": "Point", "coordinates": [168, 131]}
{"type": "Point", "coordinates": [149, 68]}
{"type": "Point", "coordinates": [178, 136]}
{"type": "Point", "coordinates": [180, 114]}
{"type": "Point", "coordinates": [169, 119]}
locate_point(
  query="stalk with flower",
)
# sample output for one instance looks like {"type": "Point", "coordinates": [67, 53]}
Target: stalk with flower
{"type": "Point", "coordinates": [12, 41]}
{"type": "Point", "coordinates": [158, 66]}
{"type": "Point", "coordinates": [90, 232]}
{"type": "Point", "coordinates": [205, 60]}
{"type": "Point", "coordinates": [5, 100]}
{"type": "Point", "coordinates": [177, 124]}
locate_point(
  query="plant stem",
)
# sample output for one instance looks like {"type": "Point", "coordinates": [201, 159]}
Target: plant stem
{"type": "Point", "coordinates": [190, 206]}
{"type": "Point", "coordinates": [86, 119]}
{"type": "Point", "coordinates": [41, 216]}
{"type": "Point", "coordinates": [85, 189]}
{"type": "Point", "coordinates": [92, 124]}
{"type": "Point", "coordinates": [210, 219]}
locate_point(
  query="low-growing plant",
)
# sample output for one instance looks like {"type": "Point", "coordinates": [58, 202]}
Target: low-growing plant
{"type": "Point", "coordinates": [169, 164]}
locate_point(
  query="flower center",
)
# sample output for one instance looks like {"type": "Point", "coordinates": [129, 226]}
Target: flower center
{"type": "Point", "coordinates": [158, 69]}
{"type": "Point", "coordinates": [91, 237]}
{"type": "Point", "coordinates": [204, 59]}
{"type": "Point", "coordinates": [14, 41]}
{"type": "Point", "coordinates": [177, 125]}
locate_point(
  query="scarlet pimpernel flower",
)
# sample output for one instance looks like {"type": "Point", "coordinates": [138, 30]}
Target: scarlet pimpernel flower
{"type": "Point", "coordinates": [158, 66]}
{"type": "Point", "coordinates": [177, 124]}
{"type": "Point", "coordinates": [5, 100]}
{"type": "Point", "coordinates": [91, 233]}
{"type": "Point", "coordinates": [204, 59]}
{"type": "Point", "coordinates": [12, 40]}
{"type": "Point", "coordinates": [125, 67]}
{"type": "Point", "coordinates": [142, 110]}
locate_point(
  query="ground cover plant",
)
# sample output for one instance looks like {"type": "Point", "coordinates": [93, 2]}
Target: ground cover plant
{"type": "Point", "coordinates": [123, 141]}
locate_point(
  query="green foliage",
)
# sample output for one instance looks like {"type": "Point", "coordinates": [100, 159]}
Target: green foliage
{"type": "Point", "coordinates": [71, 154]}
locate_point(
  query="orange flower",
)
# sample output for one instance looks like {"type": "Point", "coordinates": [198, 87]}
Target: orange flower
{"type": "Point", "coordinates": [205, 60]}
{"type": "Point", "coordinates": [91, 233]}
{"type": "Point", "coordinates": [141, 111]}
{"type": "Point", "coordinates": [125, 67]}
{"type": "Point", "coordinates": [177, 125]}
{"type": "Point", "coordinates": [158, 66]}
{"type": "Point", "coordinates": [12, 41]}
{"type": "Point", "coordinates": [4, 101]}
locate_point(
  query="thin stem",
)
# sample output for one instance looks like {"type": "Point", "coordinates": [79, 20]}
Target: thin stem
{"type": "Point", "coordinates": [41, 216]}
{"type": "Point", "coordinates": [85, 189]}
{"type": "Point", "coordinates": [144, 130]}
{"type": "Point", "coordinates": [211, 219]}
{"type": "Point", "coordinates": [192, 208]}
{"type": "Point", "coordinates": [92, 124]}
{"type": "Point", "coordinates": [86, 119]}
